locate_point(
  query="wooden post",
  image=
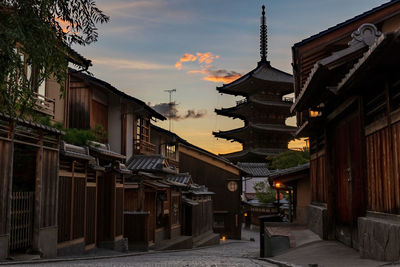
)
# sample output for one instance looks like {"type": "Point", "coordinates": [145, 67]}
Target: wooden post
{"type": "Point", "coordinates": [38, 194]}
{"type": "Point", "coordinates": [9, 179]}
{"type": "Point", "coordinates": [71, 219]}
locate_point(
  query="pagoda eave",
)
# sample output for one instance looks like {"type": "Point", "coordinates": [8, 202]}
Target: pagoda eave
{"type": "Point", "coordinates": [229, 113]}
{"type": "Point", "coordinates": [252, 155]}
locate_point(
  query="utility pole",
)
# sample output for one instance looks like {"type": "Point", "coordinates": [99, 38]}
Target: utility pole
{"type": "Point", "coordinates": [170, 105]}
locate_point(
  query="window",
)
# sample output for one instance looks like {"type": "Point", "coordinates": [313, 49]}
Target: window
{"type": "Point", "coordinates": [170, 151]}
{"type": "Point", "coordinates": [143, 130]}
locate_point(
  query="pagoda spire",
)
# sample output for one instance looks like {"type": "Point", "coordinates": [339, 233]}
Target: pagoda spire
{"type": "Point", "coordinates": [263, 37]}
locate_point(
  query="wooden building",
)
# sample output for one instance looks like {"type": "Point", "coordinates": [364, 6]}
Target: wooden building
{"type": "Point", "coordinates": [347, 88]}
{"type": "Point", "coordinates": [153, 204]}
{"type": "Point", "coordinates": [28, 186]}
{"type": "Point", "coordinates": [94, 102]}
{"type": "Point", "coordinates": [264, 109]}
{"type": "Point", "coordinates": [221, 177]}
{"type": "Point", "coordinates": [29, 163]}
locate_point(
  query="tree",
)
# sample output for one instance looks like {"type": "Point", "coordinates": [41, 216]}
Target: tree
{"type": "Point", "coordinates": [264, 193]}
{"type": "Point", "coordinates": [35, 41]}
{"type": "Point", "coordinates": [289, 159]}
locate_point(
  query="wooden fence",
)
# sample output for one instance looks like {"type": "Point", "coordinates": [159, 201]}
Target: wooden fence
{"type": "Point", "coordinates": [21, 220]}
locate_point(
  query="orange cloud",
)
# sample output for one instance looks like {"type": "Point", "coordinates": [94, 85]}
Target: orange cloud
{"type": "Point", "coordinates": [206, 58]}
{"type": "Point", "coordinates": [223, 79]}
{"type": "Point", "coordinates": [202, 71]}
{"type": "Point", "coordinates": [185, 58]}
{"type": "Point", "coordinates": [205, 61]}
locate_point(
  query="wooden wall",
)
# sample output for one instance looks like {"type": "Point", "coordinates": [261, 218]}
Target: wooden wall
{"type": "Point", "coordinates": [71, 199]}
{"type": "Point", "coordinates": [5, 175]}
{"type": "Point", "coordinates": [49, 188]}
{"type": "Point", "coordinates": [80, 97]}
{"type": "Point", "coordinates": [318, 178]}
{"type": "Point", "coordinates": [383, 180]}
{"type": "Point", "coordinates": [202, 215]}
{"type": "Point", "coordinates": [227, 204]}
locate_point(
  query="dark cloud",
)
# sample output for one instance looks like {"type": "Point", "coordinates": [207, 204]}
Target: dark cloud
{"type": "Point", "coordinates": [192, 114]}
{"type": "Point", "coordinates": [170, 111]}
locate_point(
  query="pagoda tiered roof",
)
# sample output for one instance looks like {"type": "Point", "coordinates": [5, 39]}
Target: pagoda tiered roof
{"type": "Point", "coordinates": [244, 108]}
{"type": "Point", "coordinates": [243, 133]}
{"type": "Point", "coordinates": [264, 110]}
{"type": "Point", "coordinates": [263, 77]}
{"type": "Point", "coordinates": [253, 154]}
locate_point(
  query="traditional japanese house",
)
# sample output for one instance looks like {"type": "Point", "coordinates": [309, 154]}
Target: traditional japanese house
{"type": "Point", "coordinates": [28, 179]}
{"type": "Point", "coordinates": [296, 182]}
{"type": "Point", "coordinates": [126, 119]}
{"type": "Point", "coordinates": [347, 87]}
{"type": "Point", "coordinates": [221, 177]}
{"type": "Point", "coordinates": [154, 205]}
{"type": "Point", "coordinates": [197, 204]}
{"type": "Point", "coordinates": [29, 172]}
{"type": "Point", "coordinates": [264, 109]}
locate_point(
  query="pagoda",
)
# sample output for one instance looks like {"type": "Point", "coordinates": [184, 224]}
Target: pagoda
{"type": "Point", "coordinates": [264, 109]}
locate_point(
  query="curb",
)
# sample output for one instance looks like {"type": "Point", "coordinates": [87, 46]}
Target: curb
{"type": "Point", "coordinates": [279, 263]}
{"type": "Point", "coordinates": [132, 254]}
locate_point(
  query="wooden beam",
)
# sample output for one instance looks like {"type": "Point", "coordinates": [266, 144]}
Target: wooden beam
{"type": "Point", "coordinates": [38, 194]}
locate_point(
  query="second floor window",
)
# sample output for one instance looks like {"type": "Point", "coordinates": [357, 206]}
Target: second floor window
{"type": "Point", "coordinates": [143, 130]}
{"type": "Point", "coordinates": [170, 151]}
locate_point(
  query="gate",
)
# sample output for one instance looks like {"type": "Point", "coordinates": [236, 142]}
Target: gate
{"type": "Point", "coordinates": [21, 220]}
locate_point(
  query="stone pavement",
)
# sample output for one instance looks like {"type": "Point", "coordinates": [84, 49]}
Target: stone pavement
{"type": "Point", "coordinates": [325, 253]}
{"type": "Point", "coordinates": [230, 253]}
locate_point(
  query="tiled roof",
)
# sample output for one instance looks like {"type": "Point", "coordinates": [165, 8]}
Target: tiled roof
{"type": "Point", "coordinates": [105, 150]}
{"type": "Point", "coordinates": [255, 169]}
{"type": "Point", "coordinates": [279, 173]}
{"type": "Point", "coordinates": [75, 151]}
{"type": "Point", "coordinates": [31, 123]}
{"type": "Point", "coordinates": [180, 179]}
{"type": "Point", "coordinates": [264, 71]}
{"type": "Point", "coordinates": [149, 163]}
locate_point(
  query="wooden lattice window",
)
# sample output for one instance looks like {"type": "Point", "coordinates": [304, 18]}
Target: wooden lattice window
{"type": "Point", "coordinates": [143, 129]}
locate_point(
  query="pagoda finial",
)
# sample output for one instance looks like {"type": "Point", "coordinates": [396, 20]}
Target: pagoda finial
{"type": "Point", "coordinates": [263, 37]}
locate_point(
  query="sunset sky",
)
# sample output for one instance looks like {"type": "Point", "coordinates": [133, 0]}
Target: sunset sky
{"type": "Point", "coordinates": [193, 46]}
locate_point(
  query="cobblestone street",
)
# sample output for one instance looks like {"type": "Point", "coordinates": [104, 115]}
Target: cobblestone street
{"type": "Point", "coordinates": [230, 253]}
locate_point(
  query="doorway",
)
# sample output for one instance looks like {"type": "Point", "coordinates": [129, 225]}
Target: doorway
{"type": "Point", "coordinates": [23, 197]}
{"type": "Point", "coordinates": [348, 173]}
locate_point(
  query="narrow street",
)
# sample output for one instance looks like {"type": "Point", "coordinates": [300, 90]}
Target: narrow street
{"type": "Point", "coordinates": [229, 253]}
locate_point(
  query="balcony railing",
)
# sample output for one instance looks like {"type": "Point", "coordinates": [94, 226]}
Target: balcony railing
{"type": "Point", "coordinates": [141, 147]}
{"type": "Point", "coordinates": [44, 104]}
